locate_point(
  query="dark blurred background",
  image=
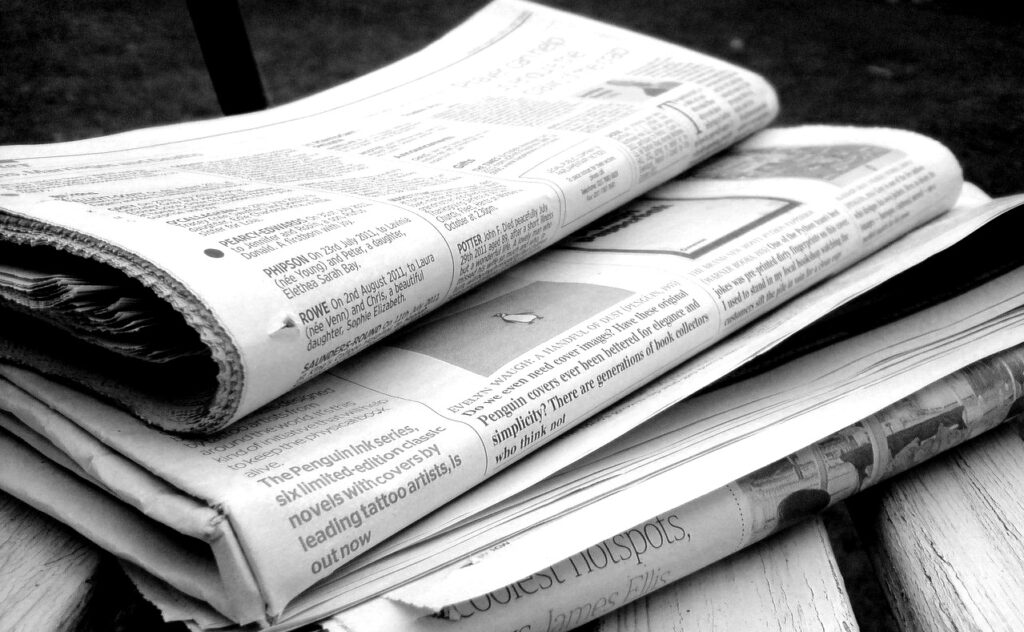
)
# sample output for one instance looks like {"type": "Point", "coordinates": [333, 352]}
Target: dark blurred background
{"type": "Point", "coordinates": [951, 69]}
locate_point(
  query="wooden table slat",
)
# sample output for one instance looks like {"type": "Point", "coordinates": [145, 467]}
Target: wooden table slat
{"type": "Point", "coordinates": [946, 539]}
{"type": "Point", "coordinates": [46, 570]}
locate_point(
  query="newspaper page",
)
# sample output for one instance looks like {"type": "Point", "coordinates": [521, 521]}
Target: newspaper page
{"type": "Point", "coordinates": [704, 443]}
{"type": "Point", "coordinates": [235, 260]}
{"type": "Point", "coordinates": [330, 470]}
{"type": "Point", "coordinates": [672, 544]}
{"type": "Point", "coordinates": [724, 436]}
{"type": "Point", "coordinates": [974, 241]}
{"type": "Point", "coordinates": [949, 336]}
{"type": "Point", "coordinates": [914, 369]}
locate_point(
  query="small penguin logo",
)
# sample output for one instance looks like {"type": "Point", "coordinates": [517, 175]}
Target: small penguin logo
{"type": "Point", "coordinates": [521, 318]}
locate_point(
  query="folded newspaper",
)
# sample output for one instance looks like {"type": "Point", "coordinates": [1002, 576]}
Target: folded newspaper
{"type": "Point", "coordinates": [196, 272]}
{"type": "Point", "coordinates": [651, 469]}
{"type": "Point", "coordinates": [212, 277]}
{"type": "Point", "coordinates": [702, 473]}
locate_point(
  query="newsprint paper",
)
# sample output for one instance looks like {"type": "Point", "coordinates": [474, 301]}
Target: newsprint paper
{"type": "Point", "coordinates": [252, 517]}
{"type": "Point", "coordinates": [954, 370]}
{"type": "Point", "coordinates": [210, 277]}
{"type": "Point", "coordinates": [522, 564]}
{"type": "Point", "coordinates": [247, 255]}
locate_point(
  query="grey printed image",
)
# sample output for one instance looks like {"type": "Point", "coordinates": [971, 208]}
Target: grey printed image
{"type": "Point", "coordinates": [630, 89]}
{"type": "Point", "coordinates": [944, 414]}
{"type": "Point", "coordinates": [489, 335]}
{"type": "Point", "coordinates": [839, 164]}
{"type": "Point", "coordinates": [688, 227]}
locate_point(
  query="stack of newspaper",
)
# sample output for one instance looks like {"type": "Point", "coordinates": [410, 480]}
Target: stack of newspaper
{"type": "Point", "coordinates": [295, 366]}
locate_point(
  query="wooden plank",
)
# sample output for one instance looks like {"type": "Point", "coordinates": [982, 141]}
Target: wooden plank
{"type": "Point", "coordinates": [787, 582]}
{"type": "Point", "coordinates": [45, 570]}
{"type": "Point", "coordinates": [947, 539]}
